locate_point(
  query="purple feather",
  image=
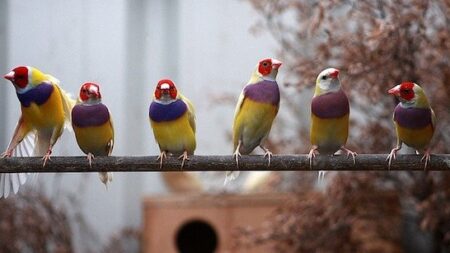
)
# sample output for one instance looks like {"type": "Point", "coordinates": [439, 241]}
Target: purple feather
{"type": "Point", "coordinates": [263, 92]}
{"type": "Point", "coordinates": [412, 117]}
{"type": "Point", "coordinates": [167, 112]}
{"type": "Point", "coordinates": [330, 105]}
{"type": "Point", "coordinates": [90, 115]}
{"type": "Point", "coordinates": [38, 95]}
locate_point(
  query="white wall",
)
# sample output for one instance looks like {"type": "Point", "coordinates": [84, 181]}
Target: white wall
{"type": "Point", "coordinates": [127, 46]}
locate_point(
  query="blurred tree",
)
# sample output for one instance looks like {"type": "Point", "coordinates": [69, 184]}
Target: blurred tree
{"type": "Point", "coordinates": [30, 222]}
{"type": "Point", "coordinates": [376, 44]}
{"type": "Point", "coordinates": [127, 240]}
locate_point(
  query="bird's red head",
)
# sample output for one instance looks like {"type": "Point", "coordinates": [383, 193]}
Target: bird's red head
{"type": "Point", "coordinates": [18, 76]}
{"type": "Point", "coordinates": [405, 90]}
{"type": "Point", "coordinates": [166, 86]}
{"type": "Point", "coordinates": [265, 66]}
{"type": "Point", "coordinates": [90, 90]}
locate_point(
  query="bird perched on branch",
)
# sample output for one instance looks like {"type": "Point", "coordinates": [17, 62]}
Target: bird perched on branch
{"type": "Point", "coordinates": [92, 124]}
{"type": "Point", "coordinates": [330, 112]}
{"type": "Point", "coordinates": [414, 120]}
{"type": "Point", "coordinates": [172, 118]}
{"type": "Point", "coordinates": [255, 111]}
{"type": "Point", "coordinates": [45, 111]}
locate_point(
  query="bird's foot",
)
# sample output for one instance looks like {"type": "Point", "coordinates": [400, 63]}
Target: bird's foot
{"type": "Point", "coordinates": [161, 157]}
{"type": "Point", "coordinates": [185, 157]}
{"type": "Point", "coordinates": [6, 154]}
{"type": "Point", "coordinates": [392, 156]}
{"type": "Point", "coordinates": [312, 155]}
{"type": "Point", "coordinates": [90, 157]}
{"type": "Point", "coordinates": [47, 157]}
{"type": "Point", "coordinates": [236, 156]}
{"type": "Point", "coordinates": [427, 157]}
{"type": "Point", "coordinates": [269, 155]}
{"type": "Point", "coordinates": [348, 152]}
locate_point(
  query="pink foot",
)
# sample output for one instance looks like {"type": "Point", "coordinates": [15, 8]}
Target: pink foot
{"type": "Point", "coordinates": [90, 157]}
{"type": "Point", "coordinates": [185, 157]}
{"type": "Point", "coordinates": [7, 153]}
{"type": "Point", "coordinates": [426, 157]}
{"type": "Point", "coordinates": [348, 152]}
{"type": "Point", "coordinates": [47, 157]}
{"type": "Point", "coordinates": [161, 157]}
{"type": "Point", "coordinates": [392, 156]}
{"type": "Point", "coordinates": [312, 155]}
{"type": "Point", "coordinates": [236, 156]}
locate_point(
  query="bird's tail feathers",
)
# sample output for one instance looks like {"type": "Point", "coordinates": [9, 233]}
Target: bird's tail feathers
{"type": "Point", "coordinates": [321, 177]}
{"type": "Point", "coordinates": [230, 176]}
{"type": "Point", "coordinates": [105, 177]}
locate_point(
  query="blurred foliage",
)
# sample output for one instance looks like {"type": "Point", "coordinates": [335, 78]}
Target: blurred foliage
{"type": "Point", "coordinates": [361, 212]}
{"type": "Point", "coordinates": [30, 222]}
{"type": "Point", "coordinates": [376, 45]}
{"type": "Point", "coordinates": [128, 240]}
{"type": "Point", "coordinates": [346, 218]}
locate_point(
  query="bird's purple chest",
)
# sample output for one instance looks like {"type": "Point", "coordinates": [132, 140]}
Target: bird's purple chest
{"type": "Point", "coordinates": [263, 92]}
{"type": "Point", "coordinates": [167, 112]}
{"type": "Point", "coordinates": [412, 117]}
{"type": "Point", "coordinates": [38, 95]}
{"type": "Point", "coordinates": [330, 105]}
{"type": "Point", "coordinates": [90, 115]}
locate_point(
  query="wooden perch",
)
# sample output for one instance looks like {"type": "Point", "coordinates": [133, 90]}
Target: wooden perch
{"type": "Point", "coordinates": [377, 162]}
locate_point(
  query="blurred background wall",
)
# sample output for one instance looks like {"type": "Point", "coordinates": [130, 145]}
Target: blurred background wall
{"type": "Point", "coordinates": [126, 47]}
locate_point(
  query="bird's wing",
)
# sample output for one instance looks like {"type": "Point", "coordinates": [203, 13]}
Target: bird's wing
{"type": "Point", "coordinates": [110, 145]}
{"type": "Point", "coordinates": [67, 100]}
{"type": "Point", "coordinates": [236, 124]}
{"type": "Point", "coordinates": [10, 182]}
{"type": "Point", "coordinates": [239, 104]}
{"type": "Point", "coordinates": [191, 111]}
{"type": "Point", "coordinates": [433, 119]}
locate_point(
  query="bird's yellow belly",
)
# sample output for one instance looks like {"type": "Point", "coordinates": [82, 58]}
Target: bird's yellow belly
{"type": "Point", "coordinates": [95, 140]}
{"type": "Point", "coordinates": [253, 124]}
{"type": "Point", "coordinates": [175, 136]}
{"type": "Point", "coordinates": [48, 115]}
{"type": "Point", "coordinates": [416, 138]}
{"type": "Point", "coordinates": [329, 134]}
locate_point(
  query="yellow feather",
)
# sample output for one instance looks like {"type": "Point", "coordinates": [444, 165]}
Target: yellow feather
{"type": "Point", "coordinates": [190, 112]}
{"type": "Point", "coordinates": [97, 140]}
{"type": "Point", "coordinates": [47, 115]}
{"type": "Point", "coordinates": [416, 138]}
{"type": "Point", "coordinates": [252, 123]}
{"type": "Point", "coordinates": [329, 134]}
{"type": "Point", "coordinates": [175, 136]}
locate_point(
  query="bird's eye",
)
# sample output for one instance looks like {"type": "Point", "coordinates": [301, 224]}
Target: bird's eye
{"type": "Point", "coordinates": [324, 77]}
{"type": "Point", "coordinates": [265, 64]}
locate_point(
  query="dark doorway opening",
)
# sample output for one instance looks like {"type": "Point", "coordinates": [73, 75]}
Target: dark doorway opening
{"type": "Point", "coordinates": [196, 236]}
